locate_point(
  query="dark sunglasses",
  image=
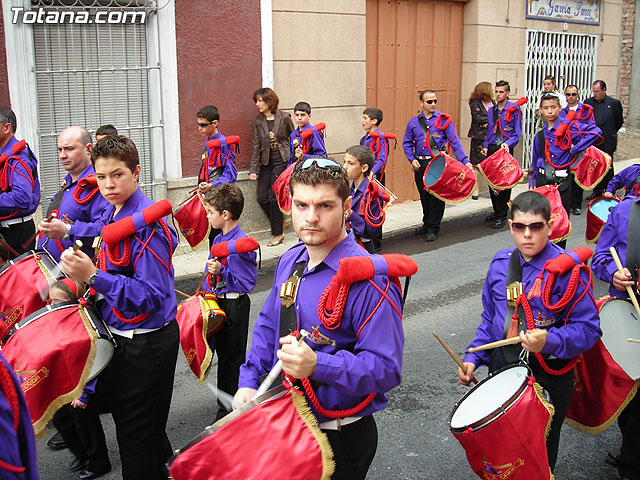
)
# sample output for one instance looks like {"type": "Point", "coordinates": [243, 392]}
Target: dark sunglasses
{"type": "Point", "coordinates": [431, 102]}
{"type": "Point", "coordinates": [325, 163]}
{"type": "Point", "coordinates": [570, 94]}
{"type": "Point", "coordinates": [204, 125]}
{"type": "Point", "coordinates": [533, 227]}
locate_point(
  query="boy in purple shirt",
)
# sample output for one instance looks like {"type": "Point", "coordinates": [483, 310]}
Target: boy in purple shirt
{"type": "Point", "coordinates": [312, 147]}
{"type": "Point", "coordinates": [629, 179]}
{"type": "Point", "coordinates": [530, 227]}
{"type": "Point", "coordinates": [349, 359]}
{"type": "Point", "coordinates": [231, 278]}
{"type": "Point", "coordinates": [371, 120]}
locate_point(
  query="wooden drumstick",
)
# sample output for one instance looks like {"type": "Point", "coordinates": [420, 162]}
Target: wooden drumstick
{"type": "Point", "coordinates": [632, 296]}
{"type": "Point", "coordinates": [506, 341]}
{"type": "Point", "coordinates": [633, 340]}
{"type": "Point", "coordinates": [455, 357]}
{"type": "Point", "coordinates": [51, 216]}
{"type": "Point", "coordinates": [203, 278]}
{"type": "Point", "coordinates": [77, 245]}
{"type": "Point", "coordinates": [181, 293]}
{"type": "Point", "coordinates": [10, 248]}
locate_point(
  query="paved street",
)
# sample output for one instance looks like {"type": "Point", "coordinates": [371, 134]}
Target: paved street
{"type": "Point", "coordinates": [415, 442]}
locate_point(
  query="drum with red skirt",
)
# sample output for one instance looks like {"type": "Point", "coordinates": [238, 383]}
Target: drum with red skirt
{"type": "Point", "coordinates": [502, 424]}
{"type": "Point", "coordinates": [282, 190]}
{"type": "Point", "coordinates": [597, 215]}
{"type": "Point", "coordinates": [501, 170]}
{"type": "Point", "coordinates": [448, 179]}
{"type": "Point", "coordinates": [591, 167]}
{"type": "Point", "coordinates": [561, 223]}
{"type": "Point", "coordinates": [191, 216]}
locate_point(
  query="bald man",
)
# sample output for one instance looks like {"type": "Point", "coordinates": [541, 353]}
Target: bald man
{"type": "Point", "coordinates": [78, 205]}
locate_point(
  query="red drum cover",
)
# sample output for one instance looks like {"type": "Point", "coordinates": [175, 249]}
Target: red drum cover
{"type": "Point", "coordinates": [591, 168]}
{"type": "Point", "coordinates": [561, 223]}
{"type": "Point", "coordinates": [193, 320]}
{"type": "Point", "coordinates": [597, 214]}
{"type": "Point", "coordinates": [501, 170]}
{"type": "Point", "coordinates": [276, 439]}
{"type": "Point", "coordinates": [449, 180]}
{"type": "Point", "coordinates": [53, 357]}
{"type": "Point", "coordinates": [191, 216]}
{"type": "Point", "coordinates": [282, 190]}
{"type": "Point", "coordinates": [512, 446]}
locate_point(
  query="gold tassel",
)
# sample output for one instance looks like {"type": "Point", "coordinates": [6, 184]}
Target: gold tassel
{"type": "Point", "coordinates": [550, 408]}
{"type": "Point", "coordinates": [205, 366]}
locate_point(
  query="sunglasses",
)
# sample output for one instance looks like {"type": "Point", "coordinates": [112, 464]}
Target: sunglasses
{"type": "Point", "coordinates": [533, 227]}
{"type": "Point", "coordinates": [570, 94]}
{"type": "Point", "coordinates": [549, 95]}
{"type": "Point", "coordinates": [204, 125]}
{"type": "Point", "coordinates": [325, 163]}
{"type": "Point", "coordinates": [431, 102]}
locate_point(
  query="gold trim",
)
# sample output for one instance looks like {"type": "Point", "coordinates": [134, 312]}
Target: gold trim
{"type": "Point", "coordinates": [496, 187]}
{"type": "Point", "coordinates": [45, 271]}
{"type": "Point", "coordinates": [205, 366]}
{"type": "Point", "coordinates": [609, 161]}
{"type": "Point", "coordinates": [550, 408]}
{"type": "Point", "coordinates": [445, 200]}
{"type": "Point", "coordinates": [565, 237]}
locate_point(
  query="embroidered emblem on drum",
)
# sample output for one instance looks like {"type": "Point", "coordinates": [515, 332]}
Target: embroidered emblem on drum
{"type": "Point", "coordinates": [593, 163]}
{"type": "Point", "coordinates": [542, 321]}
{"type": "Point", "coordinates": [191, 354]}
{"type": "Point", "coordinates": [187, 232]}
{"type": "Point", "coordinates": [35, 379]}
{"type": "Point", "coordinates": [320, 339]}
{"type": "Point", "coordinates": [460, 178]}
{"type": "Point", "coordinates": [10, 317]}
{"type": "Point", "coordinates": [502, 471]}
{"type": "Point", "coordinates": [577, 384]}
{"type": "Point", "coordinates": [507, 168]}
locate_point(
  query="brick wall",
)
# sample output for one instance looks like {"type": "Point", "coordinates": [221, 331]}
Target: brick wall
{"type": "Point", "coordinates": [626, 50]}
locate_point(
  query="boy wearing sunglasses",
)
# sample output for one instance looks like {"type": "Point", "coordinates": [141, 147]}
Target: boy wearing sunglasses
{"type": "Point", "coordinates": [521, 269]}
{"type": "Point", "coordinates": [351, 359]}
{"type": "Point", "coordinates": [215, 169]}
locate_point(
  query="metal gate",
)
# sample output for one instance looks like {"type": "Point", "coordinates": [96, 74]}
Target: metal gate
{"type": "Point", "coordinates": [569, 58]}
{"type": "Point", "coordinates": [91, 74]}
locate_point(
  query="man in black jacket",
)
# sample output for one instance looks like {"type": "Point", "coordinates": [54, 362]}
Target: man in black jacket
{"type": "Point", "coordinates": [608, 114]}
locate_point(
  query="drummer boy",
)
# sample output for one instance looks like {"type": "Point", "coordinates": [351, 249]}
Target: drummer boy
{"type": "Point", "coordinates": [231, 279]}
{"type": "Point", "coordinates": [531, 226]}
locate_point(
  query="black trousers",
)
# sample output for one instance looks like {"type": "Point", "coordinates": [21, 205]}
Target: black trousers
{"type": "Point", "coordinates": [137, 386]}
{"type": "Point", "coordinates": [432, 207]}
{"type": "Point", "coordinates": [354, 447]}
{"type": "Point", "coordinates": [16, 236]}
{"type": "Point", "coordinates": [499, 200]}
{"type": "Point", "coordinates": [82, 431]}
{"type": "Point", "coordinates": [564, 187]}
{"type": "Point", "coordinates": [266, 198]}
{"type": "Point", "coordinates": [230, 344]}
{"type": "Point", "coordinates": [629, 423]}
{"type": "Point", "coordinates": [576, 193]}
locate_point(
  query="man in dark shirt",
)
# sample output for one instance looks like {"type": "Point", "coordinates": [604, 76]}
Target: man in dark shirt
{"type": "Point", "coordinates": [608, 114]}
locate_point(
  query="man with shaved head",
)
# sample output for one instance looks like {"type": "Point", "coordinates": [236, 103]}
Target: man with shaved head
{"type": "Point", "coordinates": [78, 204]}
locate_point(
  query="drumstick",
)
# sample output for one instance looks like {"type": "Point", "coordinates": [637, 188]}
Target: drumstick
{"type": "Point", "coordinates": [10, 248]}
{"type": "Point", "coordinates": [632, 295]}
{"type": "Point", "coordinates": [633, 340]}
{"type": "Point", "coordinates": [51, 216]}
{"type": "Point", "coordinates": [57, 272]}
{"type": "Point", "coordinates": [507, 341]}
{"type": "Point", "coordinates": [454, 356]}
{"type": "Point", "coordinates": [181, 293]}
{"type": "Point", "coordinates": [223, 397]}
{"type": "Point", "coordinates": [203, 278]}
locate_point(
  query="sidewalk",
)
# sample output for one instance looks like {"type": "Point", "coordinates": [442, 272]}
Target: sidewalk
{"type": "Point", "coordinates": [400, 218]}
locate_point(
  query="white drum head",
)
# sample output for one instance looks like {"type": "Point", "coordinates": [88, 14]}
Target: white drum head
{"type": "Point", "coordinates": [488, 396]}
{"type": "Point", "coordinates": [619, 321]}
{"type": "Point", "coordinates": [104, 353]}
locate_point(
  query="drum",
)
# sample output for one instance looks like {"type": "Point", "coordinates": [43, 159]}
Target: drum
{"type": "Point", "coordinates": [25, 284]}
{"type": "Point", "coordinates": [282, 191]}
{"type": "Point", "coordinates": [448, 179]}
{"type": "Point", "coordinates": [501, 170]}
{"type": "Point", "coordinates": [199, 317]}
{"type": "Point", "coordinates": [191, 216]}
{"type": "Point", "coordinates": [597, 214]}
{"type": "Point", "coordinates": [56, 351]}
{"type": "Point", "coordinates": [274, 436]}
{"type": "Point", "coordinates": [561, 223]}
{"type": "Point", "coordinates": [502, 423]}
{"type": "Point", "coordinates": [605, 377]}
{"type": "Point", "coordinates": [591, 167]}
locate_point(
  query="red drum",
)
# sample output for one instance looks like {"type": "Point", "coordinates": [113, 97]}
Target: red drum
{"type": "Point", "coordinates": [191, 216]}
{"type": "Point", "coordinates": [199, 317]}
{"type": "Point", "coordinates": [591, 168]}
{"type": "Point", "coordinates": [56, 351]}
{"type": "Point", "coordinates": [502, 424]}
{"type": "Point", "coordinates": [25, 285]}
{"type": "Point", "coordinates": [597, 214]}
{"type": "Point", "coordinates": [282, 190]}
{"type": "Point", "coordinates": [606, 377]}
{"type": "Point", "coordinates": [501, 170]}
{"type": "Point", "coordinates": [448, 179]}
{"type": "Point", "coordinates": [561, 224]}
{"type": "Point", "coordinates": [274, 436]}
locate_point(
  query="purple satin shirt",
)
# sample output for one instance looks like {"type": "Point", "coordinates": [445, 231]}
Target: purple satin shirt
{"type": "Point", "coordinates": [413, 143]}
{"type": "Point", "coordinates": [511, 131]}
{"type": "Point", "coordinates": [625, 179]}
{"type": "Point", "coordinates": [359, 226]}
{"type": "Point", "coordinates": [589, 120]}
{"type": "Point", "coordinates": [317, 148]}
{"type": "Point", "coordinates": [381, 156]}
{"type": "Point", "coordinates": [22, 195]}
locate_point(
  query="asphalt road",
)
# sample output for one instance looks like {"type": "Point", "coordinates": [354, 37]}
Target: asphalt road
{"type": "Point", "coordinates": [414, 439]}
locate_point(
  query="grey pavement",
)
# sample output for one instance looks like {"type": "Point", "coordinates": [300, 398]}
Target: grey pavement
{"type": "Point", "coordinates": [400, 218]}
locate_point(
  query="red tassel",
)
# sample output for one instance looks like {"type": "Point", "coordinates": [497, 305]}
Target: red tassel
{"type": "Point", "coordinates": [513, 328]}
{"type": "Point", "coordinates": [536, 288]}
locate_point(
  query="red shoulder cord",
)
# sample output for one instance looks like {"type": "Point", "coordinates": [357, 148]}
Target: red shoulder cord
{"type": "Point", "coordinates": [368, 199]}
{"type": "Point", "coordinates": [6, 179]}
{"type": "Point", "coordinates": [572, 286]}
{"type": "Point", "coordinates": [8, 388]}
{"type": "Point", "coordinates": [376, 148]}
{"type": "Point", "coordinates": [510, 113]}
{"type": "Point", "coordinates": [585, 112]}
{"type": "Point", "coordinates": [565, 143]}
{"type": "Point", "coordinates": [87, 198]}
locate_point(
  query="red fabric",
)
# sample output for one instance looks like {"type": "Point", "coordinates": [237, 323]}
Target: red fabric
{"type": "Point", "coordinates": [240, 245]}
{"type": "Point", "coordinates": [595, 224]}
{"type": "Point", "coordinates": [561, 223]}
{"type": "Point", "coordinates": [501, 170]}
{"type": "Point", "coordinates": [565, 262]}
{"type": "Point", "coordinates": [229, 140]}
{"type": "Point", "coordinates": [390, 136]}
{"type": "Point", "coordinates": [591, 168]}
{"type": "Point", "coordinates": [355, 269]}
{"type": "Point", "coordinates": [69, 282]}
{"type": "Point", "coordinates": [115, 232]}
{"type": "Point", "coordinates": [512, 446]}
{"type": "Point", "coordinates": [511, 109]}
{"type": "Point", "coordinates": [562, 128]}
{"type": "Point", "coordinates": [192, 220]}
{"type": "Point", "coordinates": [455, 182]}
{"type": "Point", "coordinates": [54, 350]}
{"type": "Point", "coordinates": [269, 441]}
{"type": "Point", "coordinates": [282, 190]}
{"type": "Point", "coordinates": [308, 133]}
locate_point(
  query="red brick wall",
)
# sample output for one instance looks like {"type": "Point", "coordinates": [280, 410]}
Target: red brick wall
{"type": "Point", "coordinates": [626, 50]}
{"type": "Point", "coordinates": [4, 81]}
{"type": "Point", "coordinates": [219, 63]}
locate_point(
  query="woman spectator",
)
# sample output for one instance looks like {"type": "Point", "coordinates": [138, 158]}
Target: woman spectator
{"type": "Point", "coordinates": [548, 86]}
{"type": "Point", "coordinates": [269, 155]}
{"type": "Point", "coordinates": [480, 101]}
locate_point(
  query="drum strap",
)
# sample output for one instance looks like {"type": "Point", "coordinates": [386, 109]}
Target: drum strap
{"type": "Point", "coordinates": [288, 293]}
{"type": "Point", "coordinates": [497, 126]}
{"type": "Point", "coordinates": [514, 277]}
{"type": "Point", "coordinates": [429, 140]}
{"type": "Point", "coordinates": [633, 237]}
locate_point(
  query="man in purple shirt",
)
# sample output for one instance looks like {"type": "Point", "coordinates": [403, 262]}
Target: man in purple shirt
{"type": "Point", "coordinates": [425, 137]}
{"type": "Point", "coordinates": [621, 230]}
{"type": "Point", "coordinates": [530, 226]}
{"type": "Point", "coordinates": [19, 186]}
{"type": "Point", "coordinates": [78, 204]}
{"type": "Point", "coordinates": [504, 130]}
{"type": "Point", "coordinates": [351, 360]}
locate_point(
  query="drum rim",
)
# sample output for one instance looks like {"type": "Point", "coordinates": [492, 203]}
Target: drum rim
{"type": "Point", "coordinates": [10, 263]}
{"type": "Point", "coordinates": [498, 411]}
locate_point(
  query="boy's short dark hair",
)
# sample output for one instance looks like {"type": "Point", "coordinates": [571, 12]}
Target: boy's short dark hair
{"type": "Point", "coordinates": [531, 202]}
{"type": "Point", "coordinates": [116, 146]}
{"type": "Point", "coordinates": [374, 114]}
{"type": "Point", "coordinates": [504, 83]}
{"type": "Point", "coordinates": [302, 107]}
{"type": "Point", "coordinates": [209, 112]}
{"type": "Point", "coordinates": [363, 154]}
{"type": "Point", "coordinates": [107, 130]}
{"type": "Point", "coordinates": [269, 97]}
{"type": "Point", "coordinates": [549, 96]}
{"type": "Point", "coordinates": [227, 196]}
{"type": "Point", "coordinates": [315, 175]}
{"type": "Point", "coordinates": [7, 116]}
{"type": "Point", "coordinates": [4, 250]}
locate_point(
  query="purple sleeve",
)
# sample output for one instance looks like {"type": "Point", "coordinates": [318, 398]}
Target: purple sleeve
{"type": "Point", "coordinates": [230, 173]}
{"type": "Point", "coordinates": [624, 179]}
{"type": "Point", "coordinates": [456, 145]}
{"type": "Point", "coordinates": [614, 234]}
{"type": "Point", "coordinates": [491, 136]}
{"type": "Point", "coordinates": [91, 229]}
{"type": "Point", "coordinates": [588, 135]}
{"type": "Point", "coordinates": [517, 129]}
{"type": "Point", "coordinates": [317, 145]}
{"type": "Point", "coordinates": [88, 390]}
{"type": "Point", "coordinates": [292, 150]}
{"type": "Point", "coordinates": [240, 273]}
{"type": "Point", "coordinates": [22, 190]}
{"type": "Point", "coordinates": [409, 142]}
